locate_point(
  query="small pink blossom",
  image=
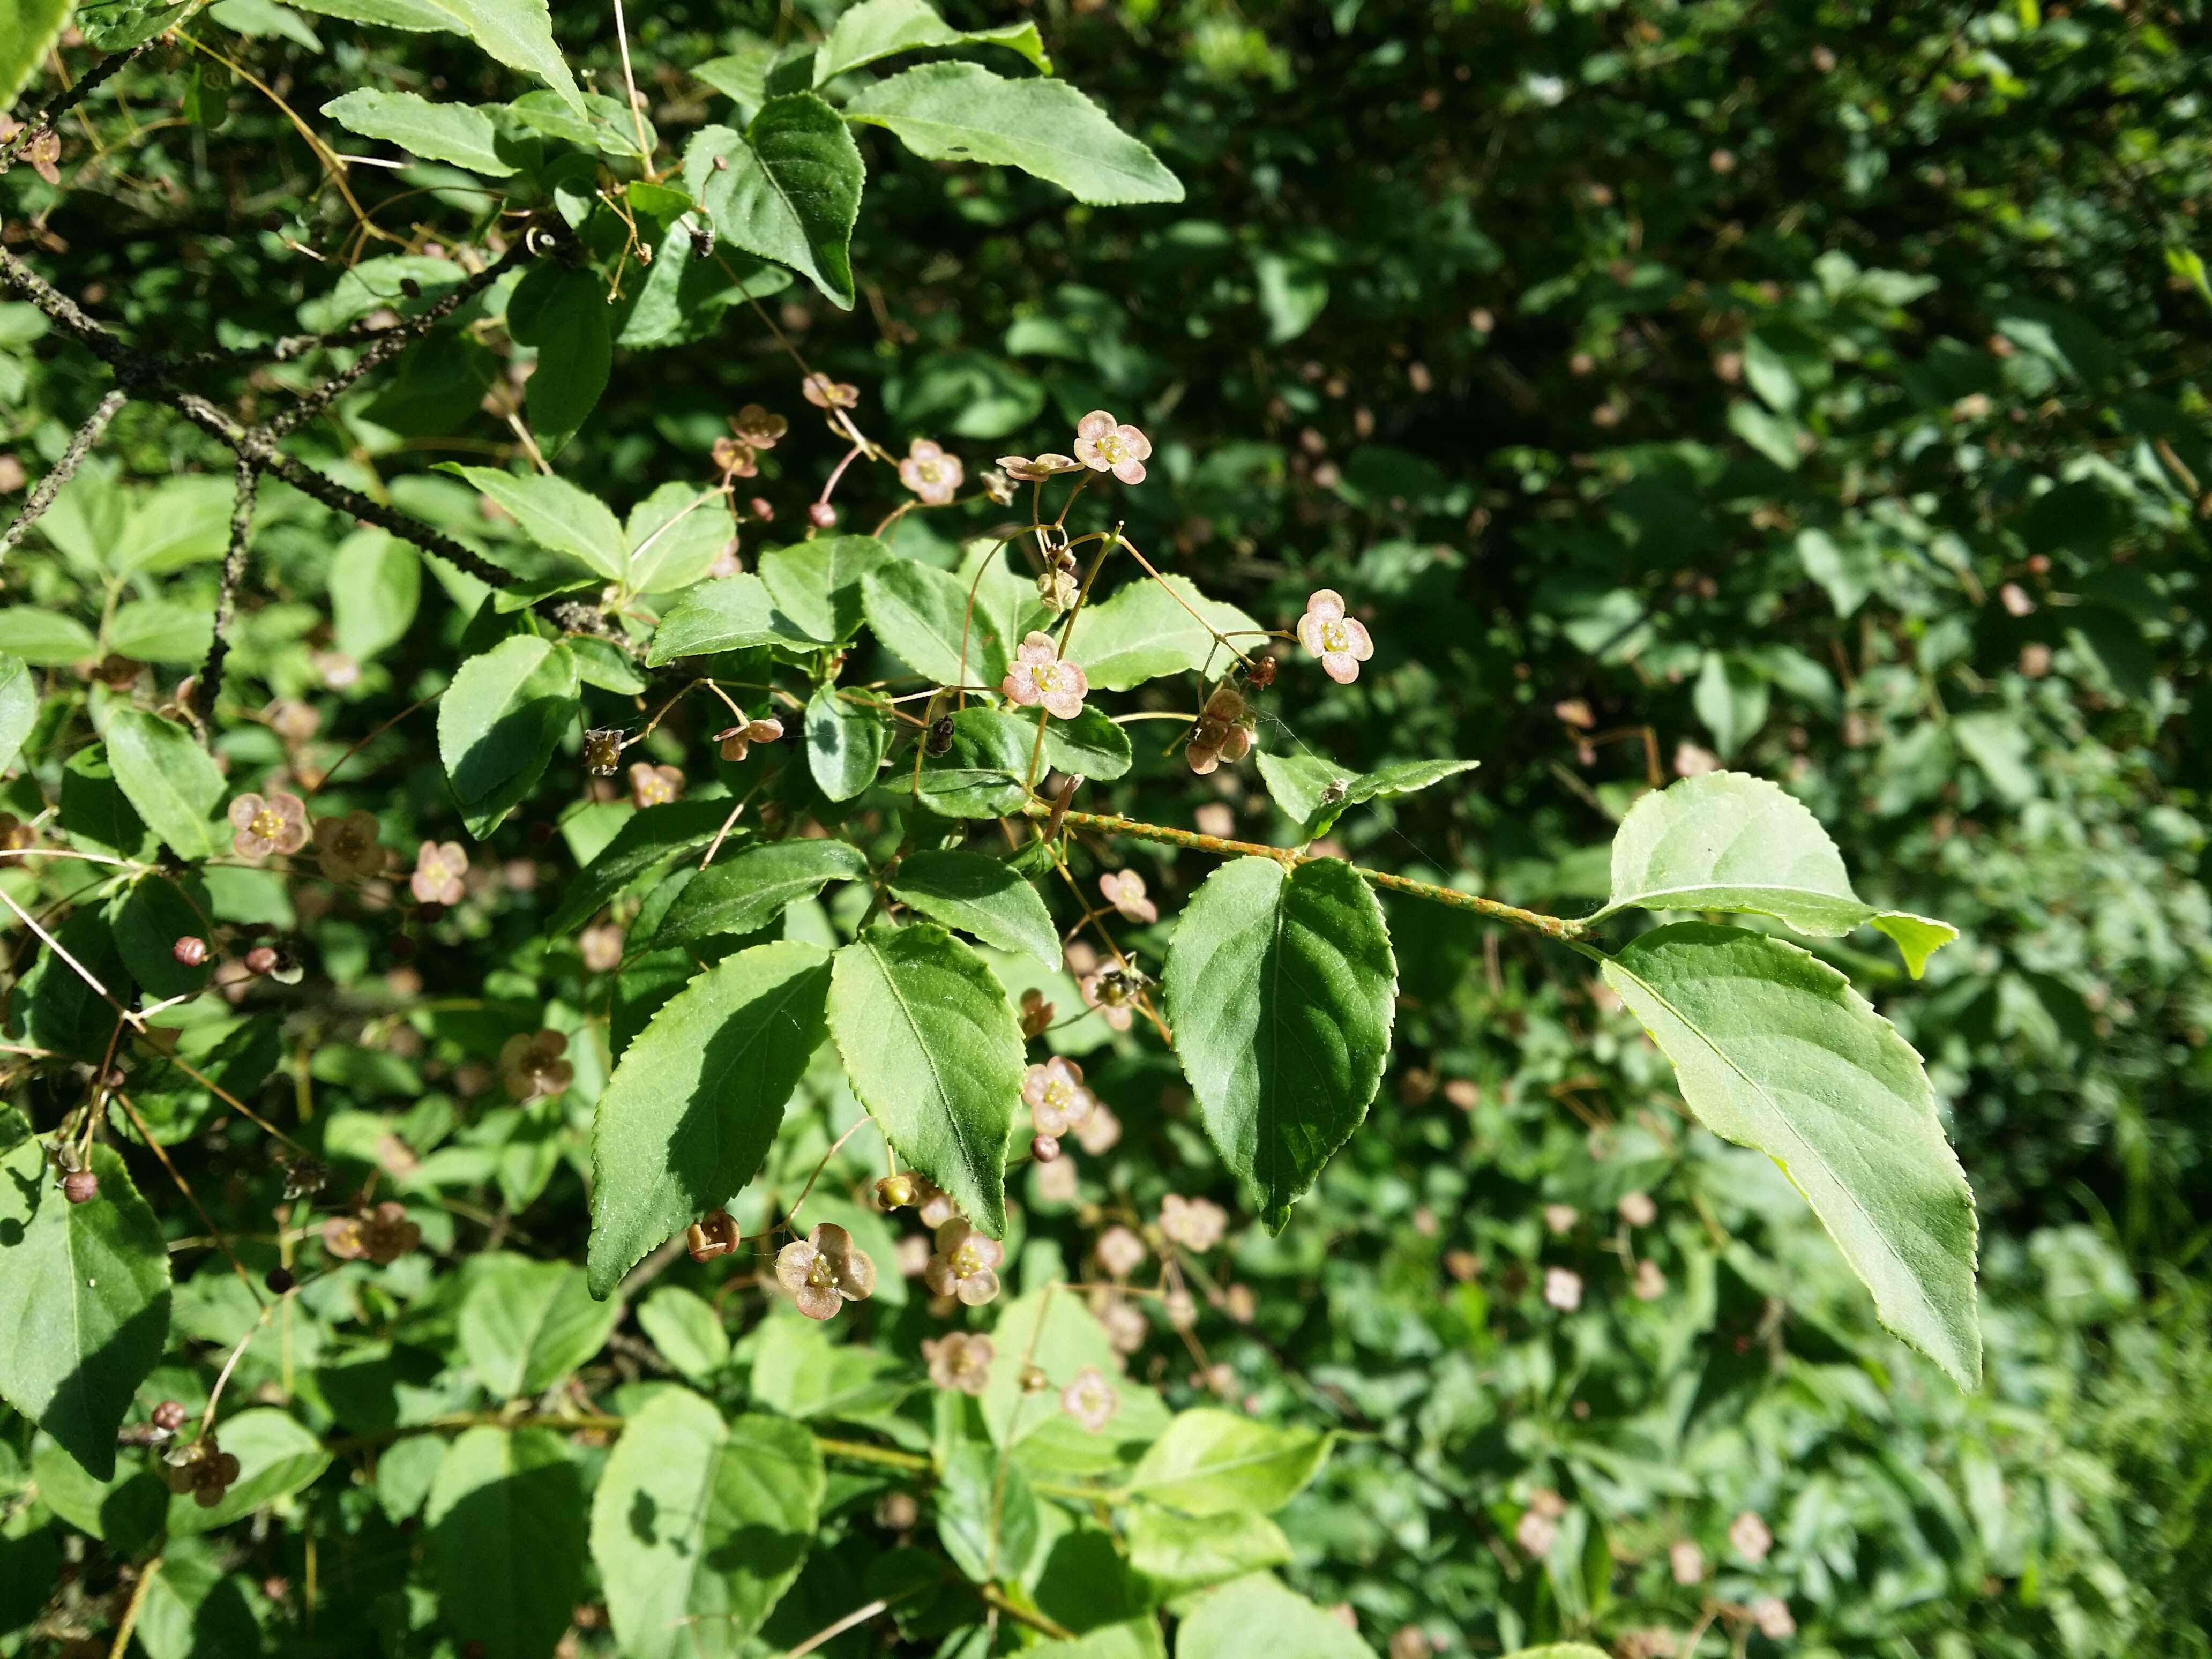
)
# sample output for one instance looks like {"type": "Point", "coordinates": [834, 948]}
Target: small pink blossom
{"type": "Point", "coordinates": [1105, 445]}
{"type": "Point", "coordinates": [1090, 1400]}
{"type": "Point", "coordinates": [825, 393]}
{"type": "Point", "coordinates": [1039, 470]}
{"type": "Point", "coordinates": [1196, 1224]}
{"type": "Point", "coordinates": [1058, 1102]}
{"type": "Point", "coordinates": [958, 1361]}
{"type": "Point", "coordinates": [1687, 1561]}
{"type": "Point", "coordinates": [438, 868]}
{"type": "Point", "coordinates": [653, 786]}
{"type": "Point", "coordinates": [1108, 991]}
{"type": "Point", "coordinates": [1772, 1614]}
{"type": "Point", "coordinates": [1340, 642]}
{"type": "Point", "coordinates": [1750, 1537]}
{"type": "Point", "coordinates": [1101, 1133]}
{"type": "Point", "coordinates": [1637, 1210]}
{"type": "Point", "coordinates": [757, 428]}
{"type": "Point", "coordinates": [1056, 1182]}
{"type": "Point", "coordinates": [931, 473]}
{"type": "Point", "coordinates": [1039, 675]}
{"type": "Point", "coordinates": [1563, 1288]}
{"type": "Point", "coordinates": [1649, 1284]}
{"type": "Point", "coordinates": [1535, 1531]}
{"type": "Point", "coordinates": [278, 824]}
{"type": "Point", "coordinates": [965, 1264]}
{"type": "Point", "coordinates": [1125, 890]}
{"type": "Point", "coordinates": [1120, 1251]}
{"type": "Point", "coordinates": [1125, 1324]}
{"type": "Point", "coordinates": [1559, 1218]}
{"type": "Point", "coordinates": [825, 1268]}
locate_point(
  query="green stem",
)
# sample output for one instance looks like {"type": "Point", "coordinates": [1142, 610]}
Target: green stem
{"type": "Point", "coordinates": [1563, 928]}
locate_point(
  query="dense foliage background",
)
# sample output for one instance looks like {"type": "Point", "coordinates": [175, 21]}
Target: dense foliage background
{"type": "Point", "coordinates": [1818, 389]}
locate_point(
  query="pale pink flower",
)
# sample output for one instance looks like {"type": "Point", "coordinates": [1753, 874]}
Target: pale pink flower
{"type": "Point", "coordinates": [1039, 470]}
{"type": "Point", "coordinates": [1057, 1100]}
{"type": "Point", "coordinates": [1196, 1224]}
{"type": "Point", "coordinates": [1340, 642]}
{"type": "Point", "coordinates": [1750, 1537]}
{"type": "Point", "coordinates": [1772, 1614]}
{"type": "Point", "coordinates": [1535, 1531]}
{"type": "Point", "coordinates": [278, 824]}
{"type": "Point", "coordinates": [1105, 445]}
{"type": "Point", "coordinates": [825, 393]}
{"type": "Point", "coordinates": [438, 868]}
{"type": "Point", "coordinates": [1107, 990]}
{"type": "Point", "coordinates": [1056, 1182]}
{"type": "Point", "coordinates": [1649, 1284]}
{"type": "Point", "coordinates": [1637, 1210]}
{"type": "Point", "coordinates": [653, 786]}
{"type": "Point", "coordinates": [958, 1361]}
{"type": "Point", "coordinates": [1687, 1561]}
{"type": "Point", "coordinates": [1125, 1324]}
{"type": "Point", "coordinates": [965, 1264]}
{"type": "Point", "coordinates": [1039, 675]}
{"type": "Point", "coordinates": [1120, 1251]}
{"type": "Point", "coordinates": [1559, 1218]}
{"type": "Point", "coordinates": [1090, 1400]}
{"type": "Point", "coordinates": [756, 427]}
{"type": "Point", "coordinates": [1216, 818]}
{"type": "Point", "coordinates": [822, 1269]}
{"type": "Point", "coordinates": [930, 473]}
{"type": "Point", "coordinates": [1125, 890]}
{"type": "Point", "coordinates": [1102, 1132]}
{"type": "Point", "coordinates": [1563, 1288]}
{"type": "Point", "coordinates": [601, 948]}
{"type": "Point", "coordinates": [1693, 762]}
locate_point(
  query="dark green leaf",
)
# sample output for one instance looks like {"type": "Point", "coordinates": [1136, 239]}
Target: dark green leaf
{"type": "Point", "coordinates": [743, 895]}
{"type": "Point", "coordinates": [846, 739]}
{"type": "Point", "coordinates": [169, 779]}
{"type": "Point", "coordinates": [979, 896]}
{"type": "Point", "coordinates": [506, 1521]}
{"type": "Point", "coordinates": [787, 188]}
{"type": "Point", "coordinates": [499, 722]}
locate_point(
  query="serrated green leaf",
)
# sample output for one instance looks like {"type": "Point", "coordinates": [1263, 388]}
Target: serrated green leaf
{"type": "Point", "coordinates": [883, 28]}
{"type": "Point", "coordinates": [559, 517]}
{"type": "Point", "coordinates": [459, 133]}
{"type": "Point", "coordinates": [743, 895]}
{"type": "Point", "coordinates": [1143, 632]}
{"type": "Point", "coordinates": [921, 615]}
{"type": "Point", "coordinates": [959, 112]}
{"type": "Point", "coordinates": [981, 773]}
{"type": "Point", "coordinates": [645, 840]}
{"type": "Point", "coordinates": [1224, 1626]}
{"type": "Point", "coordinates": [27, 30]}
{"type": "Point", "coordinates": [1281, 988]}
{"type": "Point", "coordinates": [506, 1520]}
{"type": "Point", "coordinates": [934, 1053]}
{"type": "Point", "coordinates": [818, 583]}
{"type": "Point", "coordinates": [980, 896]}
{"type": "Point", "coordinates": [169, 781]}
{"type": "Point", "coordinates": [19, 707]}
{"type": "Point", "coordinates": [846, 739]}
{"type": "Point", "coordinates": [84, 1296]}
{"type": "Point", "coordinates": [786, 189]}
{"type": "Point", "coordinates": [1213, 1462]}
{"type": "Point", "coordinates": [499, 722]}
{"type": "Point", "coordinates": [1775, 1051]}
{"type": "Point", "coordinates": [700, 1525]}
{"type": "Point", "coordinates": [525, 1325]}
{"type": "Point", "coordinates": [675, 535]}
{"type": "Point", "coordinates": [518, 33]}
{"type": "Point", "coordinates": [1313, 792]}
{"type": "Point", "coordinates": [735, 613]}
{"type": "Point", "coordinates": [1089, 746]}
{"type": "Point", "coordinates": [689, 1112]}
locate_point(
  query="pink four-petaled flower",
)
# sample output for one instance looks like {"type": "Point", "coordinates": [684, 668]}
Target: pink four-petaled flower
{"type": "Point", "coordinates": [278, 824]}
{"type": "Point", "coordinates": [1340, 642]}
{"type": "Point", "coordinates": [1125, 890]}
{"type": "Point", "coordinates": [931, 473]}
{"type": "Point", "coordinates": [1104, 445]}
{"type": "Point", "coordinates": [1041, 676]}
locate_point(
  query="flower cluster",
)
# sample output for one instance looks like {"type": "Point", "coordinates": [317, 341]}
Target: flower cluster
{"type": "Point", "coordinates": [1224, 731]}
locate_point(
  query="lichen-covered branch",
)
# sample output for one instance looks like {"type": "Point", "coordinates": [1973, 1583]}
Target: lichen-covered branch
{"type": "Point", "coordinates": [80, 445]}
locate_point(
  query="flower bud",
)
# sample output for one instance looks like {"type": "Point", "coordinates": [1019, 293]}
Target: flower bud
{"type": "Point", "coordinates": [1034, 1381]}
{"type": "Point", "coordinates": [714, 1234]}
{"type": "Point", "coordinates": [168, 1417]}
{"type": "Point", "coordinates": [190, 950]}
{"type": "Point", "coordinates": [261, 959]}
{"type": "Point", "coordinates": [279, 1280]}
{"type": "Point", "coordinates": [895, 1192]}
{"type": "Point", "coordinates": [80, 1186]}
{"type": "Point", "coordinates": [822, 516]}
{"type": "Point", "coordinates": [1045, 1149]}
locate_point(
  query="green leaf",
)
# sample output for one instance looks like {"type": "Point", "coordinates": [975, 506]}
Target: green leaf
{"type": "Point", "coordinates": [846, 739]}
{"type": "Point", "coordinates": [1143, 632]}
{"type": "Point", "coordinates": [986, 1515]}
{"type": "Point", "coordinates": [499, 722]}
{"type": "Point", "coordinates": [687, 1330]}
{"type": "Point", "coordinates": [743, 894]}
{"type": "Point", "coordinates": [459, 133]}
{"type": "Point", "coordinates": [958, 112]}
{"type": "Point", "coordinates": [981, 773]}
{"type": "Point", "coordinates": [162, 630]}
{"type": "Point", "coordinates": [19, 704]}
{"type": "Point", "coordinates": [577, 350]}
{"type": "Point", "coordinates": [1053, 1331]}
{"type": "Point", "coordinates": [1281, 990]}
{"type": "Point", "coordinates": [64, 1014]}
{"type": "Point", "coordinates": [169, 781]}
{"type": "Point", "coordinates": [787, 188]}
{"type": "Point", "coordinates": [84, 1296]}
{"type": "Point", "coordinates": [980, 896]}
{"type": "Point", "coordinates": [675, 536]}
{"type": "Point", "coordinates": [376, 586]}
{"type": "Point", "coordinates": [112, 26]}
{"type": "Point", "coordinates": [559, 517]}
{"type": "Point", "coordinates": [1732, 842]}
{"type": "Point", "coordinates": [1224, 1625]}
{"type": "Point", "coordinates": [1775, 1051]}
{"type": "Point", "coordinates": [1313, 793]}
{"type": "Point", "coordinates": [690, 1111]}
{"type": "Point", "coordinates": [934, 1053]}
{"type": "Point", "coordinates": [742, 77]}
{"type": "Point", "coordinates": [1178, 1553]}
{"type": "Point", "coordinates": [818, 583]}
{"type": "Point", "coordinates": [27, 30]}
{"type": "Point", "coordinates": [645, 840]}
{"type": "Point", "coordinates": [1731, 697]}
{"type": "Point", "coordinates": [147, 921]}
{"type": "Point", "coordinates": [799, 1372]}
{"type": "Point", "coordinates": [506, 1521]}
{"type": "Point", "coordinates": [277, 1455]}
{"type": "Point", "coordinates": [1212, 1463]}
{"type": "Point", "coordinates": [733, 614]}
{"type": "Point", "coordinates": [700, 1525]}
{"type": "Point", "coordinates": [921, 616]}
{"type": "Point", "coordinates": [1089, 746]}
{"type": "Point", "coordinates": [45, 639]}
{"type": "Point", "coordinates": [525, 1325]}
{"type": "Point", "coordinates": [518, 33]}
{"type": "Point", "coordinates": [599, 123]}
{"type": "Point", "coordinates": [883, 28]}
{"type": "Point", "coordinates": [1560, 1650]}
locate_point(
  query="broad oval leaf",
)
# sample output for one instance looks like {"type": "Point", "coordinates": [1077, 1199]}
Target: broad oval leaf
{"type": "Point", "coordinates": [277, 1455]}
{"type": "Point", "coordinates": [525, 1325]}
{"type": "Point", "coordinates": [934, 1053]}
{"type": "Point", "coordinates": [498, 724]}
{"type": "Point", "coordinates": [980, 896]}
{"type": "Point", "coordinates": [689, 1112]}
{"type": "Point", "coordinates": [19, 707]}
{"type": "Point", "coordinates": [1214, 1462]}
{"type": "Point", "coordinates": [883, 28]}
{"type": "Point", "coordinates": [518, 33]}
{"type": "Point", "coordinates": [684, 1326]}
{"type": "Point", "coordinates": [675, 536]}
{"type": "Point", "coordinates": [847, 737]}
{"type": "Point", "coordinates": [743, 894]}
{"type": "Point", "coordinates": [818, 583]}
{"type": "Point", "coordinates": [735, 613]}
{"type": "Point", "coordinates": [1281, 988]}
{"type": "Point", "coordinates": [572, 363]}
{"type": "Point", "coordinates": [1144, 631]}
{"type": "Point", "coordinates": [1775, 1051]}
{"type": "Point", "coordinates": [1177, 1553]}
{"type": "Point", "coordinates": [921, 615]}
{"type": "Point", "coordinates": [507, 1519]}
{"type": "Point", "coordinates": [700, 1525]}
{"type": "Point", "coordinates": [459, 133]}
{"type": "Point", "coordinates": [1225, 1624]}
{"type": "Point", "coordinates": [959, 112]}
{"type": "Point", "coordinates": [645, 840]}
{"type": "Point", "coordinates": [558, 516]}
{"type": "Point", "coordinates": [376, 586]}
{"type": "Point", "coordinates": [46, 638]}
{"type": "Point", "coordinates": [169, 779]}
{"type": "Point", "coordinates": [84, 1296]}
{"type": "Point", "coordinates": [787, 188]}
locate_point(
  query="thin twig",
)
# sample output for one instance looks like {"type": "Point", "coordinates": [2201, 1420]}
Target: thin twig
{"type": "Point", "coordinates": [50, 485]}
{"type": "Point", "coordinates": [146, 1575]}
{"type": "Point", "coordinates": [47, 118]}
{"type": "Point", "coordinates": [233, 572]}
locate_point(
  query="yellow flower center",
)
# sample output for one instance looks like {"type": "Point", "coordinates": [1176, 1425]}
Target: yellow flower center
{"type": "Point", "coordinates": [1112, 449]}
{"type": "Point", "coordinates": [266, 824]}
{"type": "Point", "coordinates": [1057, 1093]}
{"type": "Point", "coordinates": [1335, 636]}
{"type": "Point", "coordinates": [967, 1261]}
{"type": "Point", "coordinates": [821, 1276]}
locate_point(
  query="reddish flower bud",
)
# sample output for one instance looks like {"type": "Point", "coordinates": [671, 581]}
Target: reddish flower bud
{"type": "Point", "coordinates": [80, 1186]}
{"type": "Point", "coordinates": [261, 959]}
{"type": "Point", "coordinates": [712, 1235]}
{"type": "Point", "coordinates": [168, 1417]}
{"type": "Point", "coordinates": [279, 1280]}
{"type": "Point", "coordinates": [822, 516]}
{"type": "Point", "coordinates": [190, 950]}
{"type": "Point", "coordinates": [1045, 1149]}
